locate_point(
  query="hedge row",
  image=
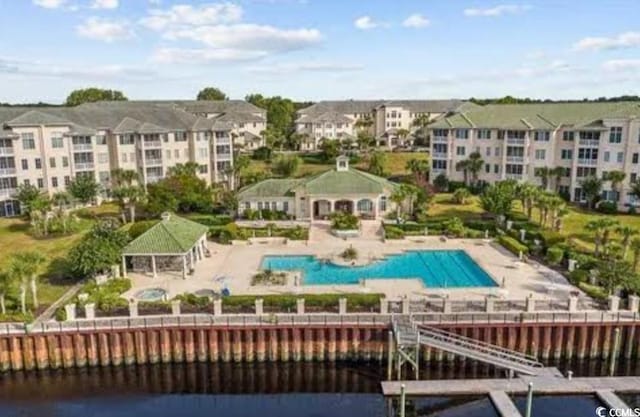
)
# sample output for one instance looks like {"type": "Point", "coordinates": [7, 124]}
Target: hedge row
{"type": "Point", "coordinates": [513, 245]}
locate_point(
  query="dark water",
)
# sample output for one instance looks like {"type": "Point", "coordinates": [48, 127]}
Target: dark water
{"type": "Point", "coordinates": [632, 400]}
{"type": "Point", "coordinates": [264, 390]}
{"type": "Point", "coordinates": [560, 405]}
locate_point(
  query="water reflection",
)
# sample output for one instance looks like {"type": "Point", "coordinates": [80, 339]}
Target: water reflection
{"type": "Point", "coordinates": [559, 405]}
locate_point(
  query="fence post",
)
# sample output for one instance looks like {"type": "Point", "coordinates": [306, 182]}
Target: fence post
{"type": "Point", "coordinates": [342, 306]}
{"type": "Point", "coordinates": [634, 303]}
{"type": "Point", "coordinates": [217, 308]}
{"type": "Point", "coordinates": [300, 306]}
{"type": "Point", "coordinates": [70, 310]}
{"type": "Point", "coordinates": [614, 303]}
{"type": "Point", "coordinates": [175, 307]}
{"type": "Point", "coordinates": [133, 308]}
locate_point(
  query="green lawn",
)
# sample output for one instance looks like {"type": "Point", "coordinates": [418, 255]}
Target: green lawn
{"type": "Point", "coordinates": [443, 206]}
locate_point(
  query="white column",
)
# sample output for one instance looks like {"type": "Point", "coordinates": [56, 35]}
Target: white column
{"type": "Point", "coordinates": [124, 267]}
{"type": "Point", "coordinates": [184, 267]}
{"type": "Point", "coordinates": [153, 266]}
{"type": "Point", "coordinates": [191, 261]}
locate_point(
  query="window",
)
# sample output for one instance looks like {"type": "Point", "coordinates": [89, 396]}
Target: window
{"type": "Point", "coordinates": [27, 182]}
{"type": "Point", "coordinates": [132, 156]}
{"type": "Point", "coordinates": [566, 154]}
{"type": "Point", "coordinates": [496, 168]}
{"type": "Point", "coordinates": [382, 204]}
{"type": "Point", "coordinates": [203, 169]}
{"type": "Point", "coordinates": [541, 136]}
{"type": "Point", "coordinates": [67, 180]}
{"type": "Point", "coordinates": [56, 140]}
{"type": "Point", "coordinates": [633, 177]}
{"type": "Point", "coordinates": [54, 182]}
{"type": "Point", "coordinates": [40, 183]}
{"type": "Point", "coordinates": [607, 156]}
{"type": "Point", "coordinates": [259, 205]}
{"type": "Point", "coordinates": [203, 152]}
{"type": "Point", "coordinates": [176, 153]}
{"type": "Point", "coordinates": [28, 141]}
{"type": "Point", "coordinates": [462, 133]}
{"type": "Point", "coordinates": [615, 135]}
{"type": "Point", "coordinates": [440, 132]}
{"type": "Point", "coordinates": [181, 136]}
{"type": "Point", "coordinates": [439, 164]}
{"type": "Point", "coordinates": [589, 135]}
{"type": "Point", "coordinates": [620, 157]}
{"type": "Point", "coordinates": [65, 161]}
{"type": "Point", "coordinates": [38, 163]}
{"type": "Point", "coordinates": [274, 206]}
{"type": "Point", "coordinates": [461, 150]}
{"type": "Point", "coordinates": [101, 140]}
{"type": "Point", "coordinates": [487, 168]}
{"type": "Point", "coordinates": [587, 153]}
{"type": "Point", "coordinates": [285, 206]}
{"type": "Point", "coordinates": [488, 151]}
{"type": "Point", "coordinates": [501, 134]}
{"type": "Point", "coordinates": [25, 164]}
{"type": "Point", "coordinates": [634, 158]}
{"type": "Point", "coordinates": [541, 154]}
{"type": "Point", "coordinates": [103, 158]}
{"type": "Point", "coordinates": [567, 136]}
{"type": "Point", "coordinates": [127, 139]}
{"type": "Point", "coordinates": [497, 152]}
{"type": "Point", "coordinates": [52, 162]}
{"type": "Point", "coordinates": [484, 134]}
{"type": "Point", "coordinates": [123, 157]}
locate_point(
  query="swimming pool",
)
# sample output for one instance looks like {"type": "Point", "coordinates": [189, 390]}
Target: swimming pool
{"type": "Point", "coordinates": [436, 269]}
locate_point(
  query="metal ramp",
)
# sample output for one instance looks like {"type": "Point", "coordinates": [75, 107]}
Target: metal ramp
{"type": "Point", "coordinates": [408, 337]}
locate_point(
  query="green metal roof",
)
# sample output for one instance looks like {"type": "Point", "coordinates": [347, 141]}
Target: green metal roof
{"type": "Point", "coordinates": [270, 188]}
{"type": "Point", "coordinates": [172, 235]}
{"type": "Point", "coordinates": [538, 116]}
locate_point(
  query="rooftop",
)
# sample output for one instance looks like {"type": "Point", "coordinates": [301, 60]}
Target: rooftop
{"type": "Point", "coordinates": [368, 106]}
{"type": "Point", "coordinates": [172, 235]}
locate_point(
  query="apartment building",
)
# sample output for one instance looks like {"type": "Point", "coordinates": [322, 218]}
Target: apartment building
{"type": "Point", "coordinates": [515, 141]}
{"type": "Point", "coordinates": [49, 146]}
{"type": "Point", "coordinates": [390, 122]}
{"type": "Point", "coordinates": [247, 121]}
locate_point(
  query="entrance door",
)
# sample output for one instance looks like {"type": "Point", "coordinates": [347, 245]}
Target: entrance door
{"type": "Point", "coordinates": [9, 209]}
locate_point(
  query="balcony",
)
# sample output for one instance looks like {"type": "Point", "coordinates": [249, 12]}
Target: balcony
{"type": "Point", "coordinates": [223, 141]}
{"type": "Point", "coordinates": [515, 141]}
{"type": "Point", "coordinates": [223, 156]}
{"type": "Point", "coordinates": [593, 143]}
{"type": "Point", "coordinates": [588, 162]}
{"type": "Point", "coordinates": [153, 161]}
{"type": "Point", "coordinates": [440, 139]}
{"type": "Point", "coordinates": [82, 147]}
{"type": "Point", "coordinates": [515, 159]}
{"type": "Point", "coordinates": [152, 144]}
{"type": "Point", "coordinates": [516, 177]}
{"type": "Point", "coordinates": [7, 192]}
{"type": "Point", "coordinates": [439, 155]}
{"type": "Point", "coordinates": [5, 172]}
{"type": "Point", "coordinates": [6, 150]}
{"type": "Point", "coordinates": [153, 179]}
{"type": "Point", "coordinates": [84, 166]}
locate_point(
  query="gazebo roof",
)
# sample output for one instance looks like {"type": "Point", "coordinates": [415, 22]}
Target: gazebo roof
{"type": "Point", "coordinates": [172, 235]}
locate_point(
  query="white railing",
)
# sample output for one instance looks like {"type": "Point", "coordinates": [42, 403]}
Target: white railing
{"type": "Point", "coordinates": [7, 192]}
{"type": "Point", "coordinates": [6, 150]}
{"type": "Point", "coordinates": [82, 147]}
{"type": "Point", "coordinates": [440, 139]}
{"type": "Point", "coordinates": [515, 141]}
{"type": "Point", "coordinates": [589, 142]}
{"type": "Point", "coordinates": [223, 141]}
{"type": "Point", "coordinates": [153, 178]}
{"type": "Point", "coordinates": [223, 156]}
{"type": "Point", "coordinates": [514, 176]}
{"type": "Point", "coordinates": [152, 143]}
{"type": "Point", "coordinates": [153, 161]}
{"type": "Point", "coordinates": [84, 166]}
{"type": "Point", "coordinates": [590, 162]}
{"type": "Point", "coordinates": [7, 171]}
{"type": "Point", "coordinates": [441, 155]}
{"type": "Point", "coordinates": [517, 159]}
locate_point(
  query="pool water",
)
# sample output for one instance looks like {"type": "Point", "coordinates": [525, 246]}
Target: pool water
{"type": "Point", "coordinates": [436, 269]}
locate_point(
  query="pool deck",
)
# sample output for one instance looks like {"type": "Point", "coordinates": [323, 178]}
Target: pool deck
{"type": "Point", "coordinates": [234, 265]}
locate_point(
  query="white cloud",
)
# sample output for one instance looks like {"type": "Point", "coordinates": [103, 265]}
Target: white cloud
{"type": "Point", "coordinates": [49, 4]}
{"type": "Point", "coordinates": [623, 40]}
{"type": "Point", "coordinates": [417, 21]}
{"type": "Point", "coordinates": [187, 15]}
{"type": "Point", "coordinates": [499, 10]}
{"type": "Point", "coordinates": [365, 23]}
{"type": "Point", "coordinates": [93, 72]}
{"type": "Point", "coordinates": [199, 56]}
{"type": "Point", "coordinates": [104, 30]}
{"type": "Point", "coordinates": [248, 36]}
{"type": "Point", "coordinates": [105, 4]}
{"type": "Point", "coordinates": [325, 67]}
{"type": "Point", "coordinates": [621, 65]}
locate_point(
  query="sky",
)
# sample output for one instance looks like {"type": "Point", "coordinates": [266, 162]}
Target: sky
{"type": "Point", "coordinates": [320, 49]}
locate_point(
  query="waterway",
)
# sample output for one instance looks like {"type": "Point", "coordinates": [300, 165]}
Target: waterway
{"type": "Point", "coordinates": [265, 390]}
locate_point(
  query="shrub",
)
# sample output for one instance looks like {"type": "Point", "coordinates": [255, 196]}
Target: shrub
{"type": "Point", "coordinates": [297, 233]}
{"type": "Point", "coordinates": [393, 232]}
{"type": "Point", "coordinates": [138, 228]}
{"type": "Point", "coordinates": [578, 276]}
{"type": "Point", "coordinates": [593, 291]}
{"type": "Point", "coordinates": [263, 153]}
{"type": "Point", "coordinates": [461, 195]}
{"type": "Point", "coordinates": [212, 220]}
{"type": "Point", "coordinates": [441, 182]}
{"type": "Point", "coordinates": [191, 299]}
{"type": "Point", "coordinates": [454, 227]}
{"type": "Point", "coordinates": [225, 234]}
{"type": "Point", "coordinates": [349, 254]}
{"type": "Point", "coordinates": [607, 207]}
{"type": "Point", "coordinates": [513, 245]}
{"type": "Point", "coordinates": [454, 185]}
{"type": "Point", "coordinates": [555, 254]}
{"type": "Point", "coordinates": [344, 221]}
{"type": "Point", "coordinates": [268, 277]}
{"type": "Point", "coordinates": [481, 225]}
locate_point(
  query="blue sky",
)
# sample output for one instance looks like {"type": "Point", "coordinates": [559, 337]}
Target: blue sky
{"type": "Point", "coordinates": [320, 49]}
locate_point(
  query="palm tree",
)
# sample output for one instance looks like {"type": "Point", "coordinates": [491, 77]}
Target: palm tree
{"type": "Point", "coordinates": [562, 212]}
{"type": "Point", "coordinates": [472, 165]}
{"type": "Point", "coordinates": [601, 227]}
{"type": "Point", "coordinates": [6, 284]}
{"type": "Point", "coordinates": [19, 273]}
{"type": "Point", "coordinates": [591, 186]}
{"type": "Point", "coordinates": [616, 178]}
{"type": "Point", "coordinates": [635, 249]}
{"type": "Point", "coordinates": [398, 197]}
{"type": "Point", "coordinates": [419, 168]}
{"type": "Point", "coordinates": [461, 195]}
{"type": "Point", "coordinates": [542, 203]}
{"type": "Point", "coordinates": [557, 173]}
{"type": "Point", "coordinates": [402, 134]}
{"type": "Point", "coordinates": [627, 233]}
{"type": "Point", "coordinates": [420, 123]}
{"type": "Point", "coordinates": [127, 191]}
{"type": "Point", "coordinates": [544, 173]}
{"type": "Point", "coordinates": [33, 262]}
{"type": "Point", "coordinates": [527, 193]}
{"type": "Point", "coordinates": [555, 204]}
{"type": "Point", "coordinates": [634, 189]}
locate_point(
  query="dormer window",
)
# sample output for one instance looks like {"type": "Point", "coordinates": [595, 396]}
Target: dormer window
{"type": "Point", "coordinates": [342, 163]}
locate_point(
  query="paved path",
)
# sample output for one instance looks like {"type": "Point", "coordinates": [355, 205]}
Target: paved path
{"type": "Point", "coordinates": [51, 310]}
{"type": "Point", "coordinates": [503, 403]}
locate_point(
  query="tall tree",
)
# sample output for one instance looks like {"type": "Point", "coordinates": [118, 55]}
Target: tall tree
{"type": "Point", "coordinates": [127, 191]}
{"type": "Point", "coordinates": [19, 272]}
{"type": "Point", "coordinates": [544, 173]}
{"type": "Point", "coordinates": [635, 250]}
{"type": "Point", "coordinates": [498, 198]}
{"type": "Point", "coordinates": [98, 250]}
{"type": "Point", "coordinates": [90, 95]}
{"type": "Point", "coordinates": [330, 149]}
{"type": "Point", "coordinates": [626, 232]}
{"type": "Point", "coordinates": [285, 165]}
{"type": "Point", "coordinates": [181, 190]}
{"type": "Point", "coordinates": [601, 228]}
{"type": "Point", "coordinates": [84, 188]}
{"type": "Point", "coordinates": [420, 169]}
{"type": "Point", "coordinates": [527, 193]}
{"type": "Point", "coordinates": [376, 163]}
{"type": "Point", "coordinates": [30, 198]}
{"type": "Point", "coordinates": [471, 166]}
{"type": "Point", "coordinates": [615, 178]}
{"type": "Point", "coordinates": [211, 93]}
{"type": "Point", "coordinates": [6, 286]}
{"type": "Point", "coordinates": [592, 187]}
{"type": "Point", "coordinates": [32, 265]}
{"type": "Point", "coordinates": [421, 123]}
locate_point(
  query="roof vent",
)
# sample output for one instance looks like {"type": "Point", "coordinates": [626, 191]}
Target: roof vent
{"type": "Point", "coordinates": [165, 216]}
